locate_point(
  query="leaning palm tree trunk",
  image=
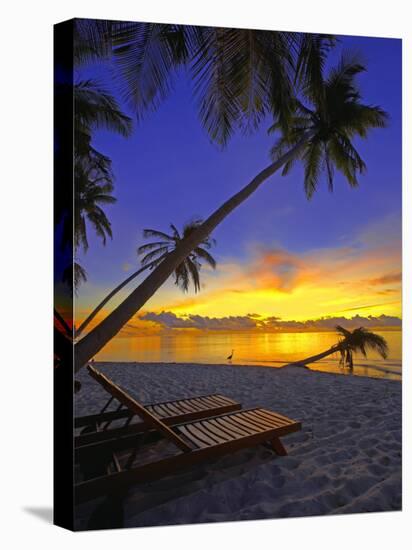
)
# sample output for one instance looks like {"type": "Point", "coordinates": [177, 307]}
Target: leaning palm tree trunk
{"type": "Point", "coordinates": [313, 358]}
{"type": "Point", "coordinates": [96, 310]}
{"type": "Point", "coordinates": [97, 338]}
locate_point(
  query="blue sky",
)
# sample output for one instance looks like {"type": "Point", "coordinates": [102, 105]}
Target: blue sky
{"type": "Point", "coordinates": [168, 171]}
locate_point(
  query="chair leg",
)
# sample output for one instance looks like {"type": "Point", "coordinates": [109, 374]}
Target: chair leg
{"type": "Point", "coordinates": [278, 447]}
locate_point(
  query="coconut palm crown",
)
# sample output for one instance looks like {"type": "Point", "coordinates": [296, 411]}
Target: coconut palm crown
{"type": "Point", "coordinates": [188, 270]}
{"type": "Point", "coordinates": [332, 116]}
{"type": "Point", "coordinates": [359, 340]}
{"type": "Point", "coordinates": [154, 254]}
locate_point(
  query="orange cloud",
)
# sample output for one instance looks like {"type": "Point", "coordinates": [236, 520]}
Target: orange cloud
{"type": "Point", "coordinates": [363, 276]}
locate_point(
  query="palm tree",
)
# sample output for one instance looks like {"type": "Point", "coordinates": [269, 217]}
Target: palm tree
{"type": "Point", "coordinates": [91, 191]}
{"type": "Point", "coordinates": [239, 75]}
{"type": "Point", "coordinates": [331, 116]}
{"type": "Point", "coordinates": [155, 252]}
{"type": "Point", "coordinates": [359, 340]}
{"type": "Point", "coordinates": [188, 269]}
{"type": "Point", "coordinates": [94, 181]}
{"type": "Point", "coordinates": [95, 109]}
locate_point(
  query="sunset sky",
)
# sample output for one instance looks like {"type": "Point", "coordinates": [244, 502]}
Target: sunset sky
{"type": "Point", "coordinates": [281, 259]}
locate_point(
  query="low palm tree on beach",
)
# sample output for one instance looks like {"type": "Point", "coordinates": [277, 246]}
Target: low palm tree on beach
{"type": "Point", "coordinates": [326, 121]}
{"type": "Point", "coordinates": [358, 340]}
{"type": "Point", "coordinates": [153, 255]}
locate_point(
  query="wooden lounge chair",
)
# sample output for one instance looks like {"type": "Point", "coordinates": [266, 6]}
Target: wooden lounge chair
{"type": "Point", "coordinates": [195, 442]}
{"type": "Point", "coordinates": [99, 427]}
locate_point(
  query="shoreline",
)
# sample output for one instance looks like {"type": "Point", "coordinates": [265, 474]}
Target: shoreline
{"type": "Point", "coordinates": [346, 459]}
{"type": "Point", "coordinates": [263, 366]}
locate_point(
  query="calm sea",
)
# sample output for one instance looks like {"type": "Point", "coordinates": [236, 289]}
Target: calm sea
{"type": "Point", "coordinates": [250, 348]}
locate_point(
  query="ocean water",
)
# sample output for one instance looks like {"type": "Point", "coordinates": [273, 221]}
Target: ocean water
{"type": "Point", "coordinates": [250, 348]}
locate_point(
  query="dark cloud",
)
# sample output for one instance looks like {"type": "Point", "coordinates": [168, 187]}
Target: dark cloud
{"type": "Point", "coordinates": [167, 319]}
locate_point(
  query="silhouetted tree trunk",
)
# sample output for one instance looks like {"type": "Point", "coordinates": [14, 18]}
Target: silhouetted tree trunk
{"type": "Point", "coordinates": [93, 314]}
{"type": "Point", "coordinates": [313, 358]}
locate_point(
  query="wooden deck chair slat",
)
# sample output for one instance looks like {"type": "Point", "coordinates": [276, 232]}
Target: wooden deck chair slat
{"type": "Point", "coordinates": [197, 442]}
{"type": "Point", "coordinates": [275, 415]}
{"type": "Point", "coordinates": [230, 424]}
{"type": "Point", "coordinates": [241, 425]}
{"type": "Point", "coordinates": [255, 421]}
{"type": "Point", "coordinates": [211, 427]}
{"type": "Point", "coordinates": [216, 401]}
{"type": "Point", "coordinates": [200, 434]}
{"type": "Point", "coordinates": [179, 408]}
{"type": "Point", "coordinates": [181, 404]}
{"type": "Point", "coordinates": [222, 398]}
{"type": "Point", "coordinates": [137, 408]}
{"type": "Point", "coordinates": [201, 450]}
{"type": "Point", "coordinates": [247, 424]}
{"type": "Point", "coordinates": [261, 421]}
{"type": "Point", "coordinates": [262, 414]}
{"type": "Point", "coordinates": [210, 434]}
{"type": "Point", "coordinates": [225, 428]}
{"type": "Point", "coordinates": [159, 411]}
{"type": "Point", "coordinates": [167, 411]}
{"type": "Point", "coordinates": [199, 403]}
{"type": "Point", "coordinates": [265, 414]}
{"type": "Point", "coordinates": [205, 403]}
{"type": "Point", "coordinates": [255, 424]}
{"type": "Point", "coordinates": [138, 426]}
{"type": "Point", "coordinates": [173, 409]}
{"type": "Point", "coordinates": [234, 426]}
{"type": "Point", "coordinates": [268, 418]}
{"type": "Point", "coordinates": [190, 404]}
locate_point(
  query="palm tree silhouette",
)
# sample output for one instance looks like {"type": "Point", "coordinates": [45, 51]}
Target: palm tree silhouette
{"type": "Point", "coordinates": [188, 270]}
{"type": "Point", "coordinates": [94, 181]}
{"type": "Point", "coordinates": [324, 127]}
{"type": "Point", "coordinates": [154, 253]}
{"type": "Point", "coordinates": [359, 340]}
{"type": "Point", "coordinates": [90, 194]}
{"type": "Point", "coordinates": [239, 75]}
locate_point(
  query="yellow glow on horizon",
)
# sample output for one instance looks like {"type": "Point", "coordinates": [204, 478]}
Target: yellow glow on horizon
{"type": "Point", "coordinates": [337, 282]}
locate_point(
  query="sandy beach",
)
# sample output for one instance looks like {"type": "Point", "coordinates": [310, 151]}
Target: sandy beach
{"type": "Point", "coordinates": [346, 458]}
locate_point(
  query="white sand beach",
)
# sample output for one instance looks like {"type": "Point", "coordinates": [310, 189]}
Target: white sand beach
{"type": "Point", "coordinates": [346, 458]}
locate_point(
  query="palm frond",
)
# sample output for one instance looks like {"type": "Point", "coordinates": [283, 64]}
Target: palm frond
{"type": "Point", "coordinates": [343, 331]}
{"type": "Point", "coordinates": [95, 108]}
{"type": "Point", "coordinates": [204, 255]}
{"type": "Point", "coordinates": [154, 254]}
{"type": "Point", "coordinates": [312, 160]}
{"type": "Point", "coordinates": [312, 53]}
{"type": "Point", "coordinates": [92, 40]}
{"type": "Point", "coordinates": [149, 246]}
{"type": "Point", "coordinates": [182, 277]}
{"type": "Point", "coordinates": [193, 269]}
{"type": "Point", "coordinates": [146, 58]}
{"type": "Point", "coordinates": [147, 233]}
